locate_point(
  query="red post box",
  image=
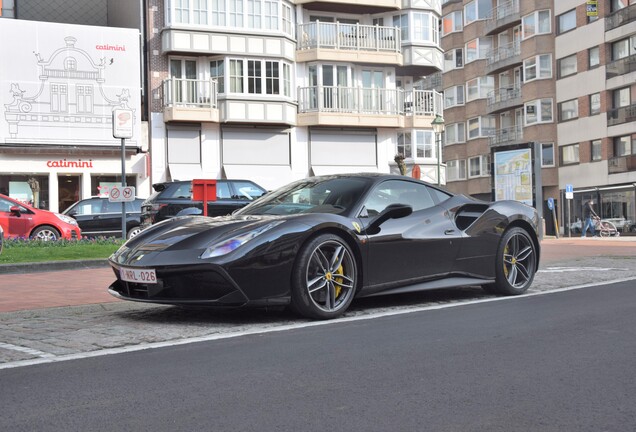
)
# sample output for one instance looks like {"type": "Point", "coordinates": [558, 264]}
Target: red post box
{"type": "Point", "coordinates": [204, 190]}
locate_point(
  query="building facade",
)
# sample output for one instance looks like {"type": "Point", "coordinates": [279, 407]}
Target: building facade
{"type": "Point", "coordinates": [596, 83]}
{"type": "Point", "coordinates": [274, 90]}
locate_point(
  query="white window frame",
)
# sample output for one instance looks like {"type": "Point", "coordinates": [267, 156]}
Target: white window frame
{"type": "Point", "coordinates": [481, 10]}
{"type": "Point", "coordinates": [418, 144]}
{"type": "Point", "coordinates": [455, 133]}
{"type": "Point", "coordinates": [452, 59]}
{"type": "Point", "coordinates": [483, 130]}
{"type": "Point", "coordinates": [543, 147]}
{"type": "Point", "coordinates": [456, 170]}
{"type": "Point", "coordinates": [481, 50]}
{"type": "Point", "coordinates": [483, 85]}
{"type": "Point", "coordinates": [537, 18]}
{"type": "Point", "coordinates": [482, 168]}
{"type": "Point", "coordinates": [538, 105]}
{"type": "Point", "coordinates": [457, 93]}
{"type": "Point", "coordinates": [568, 110]}
{"type": "Point", "coordinates": [457, 22]}
{"type": "Point", "coordinates": [262, 80]}
{"type": "Point", "coordinates": [539, 72]}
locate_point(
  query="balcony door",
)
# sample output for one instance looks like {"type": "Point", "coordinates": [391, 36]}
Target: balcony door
{"type": "Point", "coordinates": [337, 92]}
{"type": "Point", "coordinates": [183, 85]}
{"type": "Point", "coordinates": [372, 90]}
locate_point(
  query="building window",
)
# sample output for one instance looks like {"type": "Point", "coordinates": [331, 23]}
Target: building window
{"type": "Point", "coordinates": [538, 111]}
{"type": "Point", "coordinates": [569, 110]}
{"type": "Point", "coordinates": [479, 166]}
{"type": "Point", "coordinates": [425, 27]}
{"type": "Point", "coordinates": [288, 20]}
{"type": "Point", "coordinates": [217, 73]}
{"type": "Point", "coordinates": [623, 146]}
{"type": "Point", "coordinates": [455, 133]}
{"type": "Point", "coordinates": [621, 48]}
{"type": "Point", "coordinates": [547, 154]}
{"type": "Point", "coordinates": [287, 80]}
{"type": "Point", "coordinates": [236, 76]}
{"type": "Point", "coordinates": [200, 12]}
{"type": "Point", "coordinates": [595, 103]}
{"type": "Point", "coordinates": [536, 23]}
{"type": "Point", "coordinates": [263, 77]}
{"type": "Point", "coordinates": [570, 154]}
{"type": "Point", "coordinates": [621, 98]}
{"type": "Point", "coordinates": [596, 150]}
{"type": "Point", "coordinates": [478, 49]}
{"type": "Point", "coordinates": [417, 144]}
{"type": "Point", "coordinates": [452, 23]}
{"type": "Point", "coordinates": [567, 66]}
{"type": "Point", "coordinates": [453, 59]}
{"type": "Point", "coordinates": [454, 96]}
{"type": "Point", "coordinates": [236, 13]}
{"type": "Point", "coordinates": [620, 4]}
{"type": "Point", "coordinates": [593, 57]}
{"type": "Point", "coordinates": [477, 10]}
{"type": "Point", "coordinates": [456, 170]}
{"type": "Point", "coordinates": [566, 21]}
{"type": "Point", "coordinates": [218, 12]}
{"type": "Point", "coordinates": [544, 70]}
{"type": "Point", "coordinates": [480, 127]}
{"type": "Point", "coordinates": [479, 88]}
{"type": "Point", "coordinates": [402, 22]}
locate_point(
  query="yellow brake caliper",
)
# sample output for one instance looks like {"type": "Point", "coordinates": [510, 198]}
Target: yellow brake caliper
{"type": "Point", "coordinates": [505, 269]}
{"type": "Point", "coordinates": [338, 280]}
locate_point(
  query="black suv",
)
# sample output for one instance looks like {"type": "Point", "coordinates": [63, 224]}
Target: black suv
{"type": "Point", "coordinates": [171, 198]}
{"type": "Point", "coordinates": [98, 216]}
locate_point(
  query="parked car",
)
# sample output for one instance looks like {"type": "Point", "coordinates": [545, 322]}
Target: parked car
{"type": "Point", "coordinates": [21, 220]}
{"type": "Point", "coordinates": [97, 216]}
{"type": "Point", "coordinates": [319, 242]}
{"type": "Point", "coordinates": [170, 198]}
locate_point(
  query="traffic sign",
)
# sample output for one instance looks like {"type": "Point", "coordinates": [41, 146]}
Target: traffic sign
{"type": "Point", "coordinates": [551, 203]}
{"type": "Point", "coordinates": [569, 191]}
{"type": "Point", "coordinates": [121, 194]}
{"type": "Point", "coordinates": [123, 121]}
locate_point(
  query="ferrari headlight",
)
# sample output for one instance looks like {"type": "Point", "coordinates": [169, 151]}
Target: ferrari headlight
{"type": "Point", "coordinates": [228, 245]}
{"type": "Point", "coordinates": [67, 219]}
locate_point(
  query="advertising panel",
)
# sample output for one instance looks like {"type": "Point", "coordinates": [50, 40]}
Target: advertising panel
{"type": "Point", "coordinates": [513, 175]}
{"type": "Point", "coordinates": [60, 84]}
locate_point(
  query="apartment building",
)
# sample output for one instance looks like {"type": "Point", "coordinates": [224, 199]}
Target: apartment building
{"type": "Point", "coordinates": [275, 90]}
{"type": "Point", "coordinates": [63, 71]}
{"type": "Point", "coordinates": [596, 85]}
{"type": "Point", "coordinates": [499, 95]}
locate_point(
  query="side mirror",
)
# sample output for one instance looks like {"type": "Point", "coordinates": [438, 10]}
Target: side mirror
{"type": "Point", "coordinates": [393, 211]}
{"type": "Point", "coordinates": [15, 210]}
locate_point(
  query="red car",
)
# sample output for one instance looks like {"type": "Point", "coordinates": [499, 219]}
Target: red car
{"type": "Point", "coordinates": [21, 220]}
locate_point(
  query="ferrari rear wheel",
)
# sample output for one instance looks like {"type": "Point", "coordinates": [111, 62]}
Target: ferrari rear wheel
{"type": "Point", "coordinates": [516, 263]}
{"type": "Point", "coordinates": [324, 279]}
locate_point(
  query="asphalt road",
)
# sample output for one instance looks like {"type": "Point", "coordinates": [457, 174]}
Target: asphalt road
{"type": "Point", "coordinates": [559, 361]}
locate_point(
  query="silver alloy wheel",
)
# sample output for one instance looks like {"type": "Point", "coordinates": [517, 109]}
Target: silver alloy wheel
{"type": "Point", "coordinates": [133, 232]}
{"type": "Point", "coordinates": [46, 234]}
{"type": "Point", "coordinates": [519, 260]}
{"type": "Point", "coordinates": [330, 276]}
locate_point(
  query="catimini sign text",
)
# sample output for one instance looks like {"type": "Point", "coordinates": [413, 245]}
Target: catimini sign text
{"type": "Point", "coordinates": [63, 163]}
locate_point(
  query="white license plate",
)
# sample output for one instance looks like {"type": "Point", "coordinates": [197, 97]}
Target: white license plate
{"type": "Point", "coordinates": [146, 276]}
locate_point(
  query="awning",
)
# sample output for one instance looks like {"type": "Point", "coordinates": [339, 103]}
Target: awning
{"type": "Point", "coordinates": [268, 176]}
{"type": "Point", "coordinates": [185, 171]}
{"type": "Point", "coordinates": [333, 169]}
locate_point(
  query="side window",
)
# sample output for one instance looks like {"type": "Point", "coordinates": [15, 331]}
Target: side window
{"type": "Point", "coordinates": [89, 207]}
{"type": "Point", "coordinates": [247, 190]}
{"type": "Point", "coordinates": [5, 205]}
{"type": "Point", "coordinates": [398, 192]}
{"type": "Point", "coordinates": [134, 206]}
{"type": "Point", "coordinates": [183, 191]}
{"type": "Point", "coordinates": [440, 195]}
{"type": "Point", "coordinates": [110, 207]}
{"type": "Point", "coordinates": [223, 190]}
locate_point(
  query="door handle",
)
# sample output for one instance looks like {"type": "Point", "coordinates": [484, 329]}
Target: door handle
{"type": "Point", "coordinates": [449, 231]}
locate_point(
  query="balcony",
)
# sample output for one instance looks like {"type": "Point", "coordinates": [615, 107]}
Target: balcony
{"type": "Point", "coordinates": [370, 107]}
{"type": "Point", "coordinates": [507, 136]}
{"type": "Point", "coordinates": [504, 57]}
{"type": "Point", "coordinates": [621, 115]}
{"type": "Point", "coordinates": [621, 164]}
{"type": "Point", "coordinates": [189, 100]}
{"type": "Point", "coordinates": [620, 17]}
{"type": "Point", "coordinates": [348, 42]}
{"type": "Point", "coordinates": [351, 6]}
{"type": "Point", "coordinates": [503, 99]}
{"type": "Point", "coordinates": [503, 16]}
{"type": "Point", "coordinates": [621, 66]}
{"type": "Point", "coordinates": [432, 82]}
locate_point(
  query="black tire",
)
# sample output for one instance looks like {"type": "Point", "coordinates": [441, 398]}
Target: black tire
{"type": "Point", "coordinates": [45, 233]}
{"type": "Point", "coordinates": [516, 263]}
{"type": "Point", "coordinates": [324, 278]}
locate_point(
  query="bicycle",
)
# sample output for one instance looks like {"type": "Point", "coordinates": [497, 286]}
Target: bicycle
{"type": "Point", "coordinates": [605, 228]}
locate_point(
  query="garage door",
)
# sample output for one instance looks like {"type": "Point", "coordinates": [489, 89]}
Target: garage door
{"type": "Point", "coordinates": [343, 150]}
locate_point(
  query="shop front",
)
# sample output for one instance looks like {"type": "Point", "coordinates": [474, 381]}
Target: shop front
{"type": "Point", "coordinates": [616, 203]}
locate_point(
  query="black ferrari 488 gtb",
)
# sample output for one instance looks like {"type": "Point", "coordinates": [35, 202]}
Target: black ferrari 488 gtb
{"type": "Point", "coordinates": [318, 243]}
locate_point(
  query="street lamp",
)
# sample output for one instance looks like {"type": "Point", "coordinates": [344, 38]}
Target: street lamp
{"type": "Point", "coordinates": [438, 128]}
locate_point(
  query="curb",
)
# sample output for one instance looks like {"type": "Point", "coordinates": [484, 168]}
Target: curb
{"type": "Point", "coordinates": [52, 266]}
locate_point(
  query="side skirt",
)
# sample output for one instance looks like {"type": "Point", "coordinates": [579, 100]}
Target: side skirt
{"type": "Point", "coordinates": [435, 284]}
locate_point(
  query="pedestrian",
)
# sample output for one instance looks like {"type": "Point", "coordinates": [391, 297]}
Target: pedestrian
{"type": "Point", "coordinates": [588, 214]}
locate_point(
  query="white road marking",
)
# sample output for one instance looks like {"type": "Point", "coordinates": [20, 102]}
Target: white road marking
{"type": "Point", "coordinates": [575, 269]}
{"type": "Point", "coordinates": [26, 350]}
{"type": "Point", "coordinates": [141, 347]}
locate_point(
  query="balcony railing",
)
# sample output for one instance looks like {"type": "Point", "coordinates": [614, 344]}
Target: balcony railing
{"type": "Point", "coordinates": [621, 66]}
{"type": "Point", "coordinates": [509, 135]}
{"type": "Point", "coordinates": [621, 164]}
{"type": "Point", "coordinates": [432, 82]}
{"type": "Point", "coordinates": [503, 15]}
{"type": "Point", "coordinates": [621, 115]}
{"type": "Point", "coordinates": [358, 100]}
{"type": "Point", "coordinates": [620, 17]}
{"type": "Point", "coordinates": [348, 37]}
{"type": "Point", "coordinates": [503, 56]}
{"type": "Point", "coordinates": [189, 93]}
{"type": "Point", "coordinates": [504, 98]}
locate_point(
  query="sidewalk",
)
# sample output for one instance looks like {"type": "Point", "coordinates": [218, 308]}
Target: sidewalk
{"type": "Point", "coordinates": [74, 283]}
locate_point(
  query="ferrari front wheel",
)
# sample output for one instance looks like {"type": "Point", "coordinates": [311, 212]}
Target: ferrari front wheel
{"type": "Point", "coordinates": [324, 278]}
{"type": "Point", "coordinates": [516, 263]}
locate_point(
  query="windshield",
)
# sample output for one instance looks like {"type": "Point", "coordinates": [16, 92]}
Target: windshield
{"type": "Point", "coordinates": [317, 195]}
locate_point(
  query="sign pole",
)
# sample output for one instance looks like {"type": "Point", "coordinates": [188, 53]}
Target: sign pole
{"type": "Point", "coordinates": [123, 121]}
{"type": "Point", "coordinates": [123, 185]}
